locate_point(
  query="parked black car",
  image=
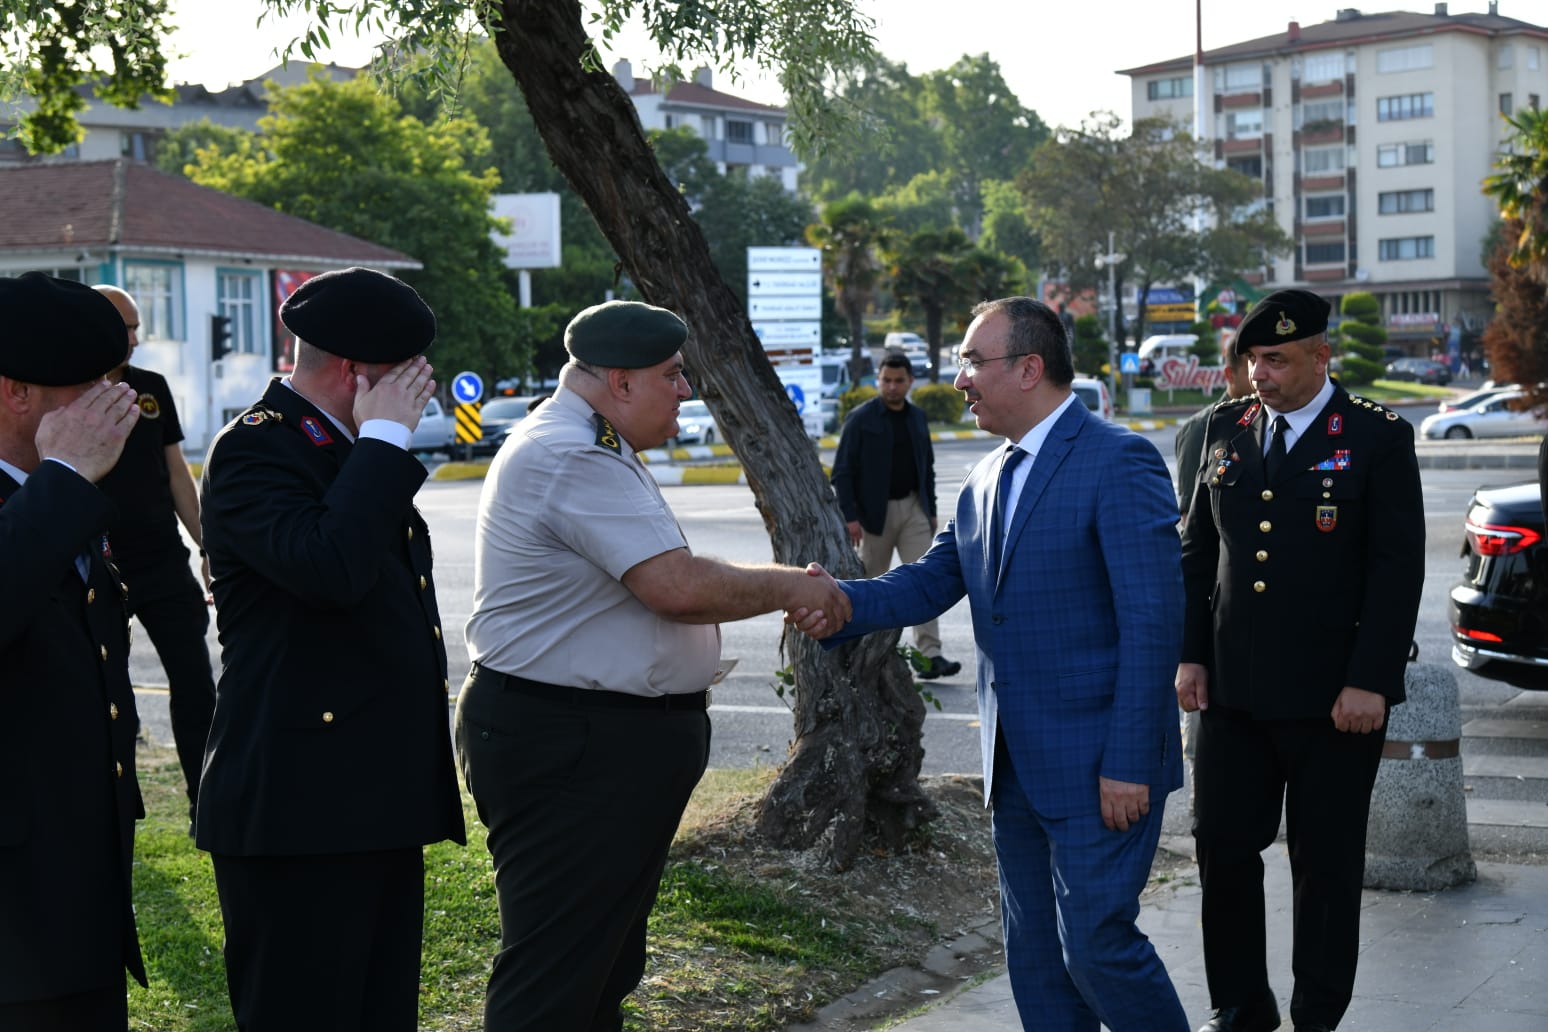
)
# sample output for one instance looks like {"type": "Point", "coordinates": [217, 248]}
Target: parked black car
{"type": "Point", "coordinates": [1421, 370]}
{"type": "Point", "coordinates": [1499, 611]}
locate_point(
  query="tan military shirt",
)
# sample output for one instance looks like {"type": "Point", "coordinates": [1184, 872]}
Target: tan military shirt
{"type": "Point", "coordinates": [566, 511]}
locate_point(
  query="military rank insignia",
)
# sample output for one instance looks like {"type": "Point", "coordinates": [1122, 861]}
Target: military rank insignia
{"type": "Point", "coordinates": [315, 431]}
{"type": "Point", "coordinates": [150, 408]}
{"type": "Point", "coordinates": [1250, 414]}
{"type": "Point", "coordinates": [607, 437]}
{"type": "Point", "coordinates": [254, 418]}
{"type": "Point", "coordinates": [1327, 518]}
{"type": "Point", "coordinates": [1335, 424]}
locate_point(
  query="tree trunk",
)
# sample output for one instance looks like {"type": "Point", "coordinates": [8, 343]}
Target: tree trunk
{"type": "Point", "coordinates": [935, 318]}
{"type": "Point", "coordinates": [859, 722]}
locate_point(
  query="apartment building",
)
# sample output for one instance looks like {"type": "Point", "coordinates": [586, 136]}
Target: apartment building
{"type": "Point", "coordinates": [1372, 135]}
{"type": "Point", "coordinates": [742, 135]}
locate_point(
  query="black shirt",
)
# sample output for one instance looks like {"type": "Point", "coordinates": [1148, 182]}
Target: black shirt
{"type": "Point", "coordinates": [905, 475]}
{"type": "Point", "coordinates": [143, 528]}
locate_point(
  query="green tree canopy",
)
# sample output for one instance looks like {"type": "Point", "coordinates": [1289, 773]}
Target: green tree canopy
{"type": "Point", "coordinates": [343, 155]}
{"type": "Point", "coordinates": [851, 232]}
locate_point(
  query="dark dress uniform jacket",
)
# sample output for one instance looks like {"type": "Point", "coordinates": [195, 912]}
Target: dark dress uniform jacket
{"type": "Point", "coordinates": [1301, 587]}
{"type": "Point", "coordinates": [330, 732]}
{"type": "Point", "coordinates": [68, 794]}
{"type": "Point", "coordinates": [862, 466]}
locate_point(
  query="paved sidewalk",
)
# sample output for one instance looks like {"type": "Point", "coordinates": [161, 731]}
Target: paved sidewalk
{"type": "Point", "coordinates": [1470, 959]}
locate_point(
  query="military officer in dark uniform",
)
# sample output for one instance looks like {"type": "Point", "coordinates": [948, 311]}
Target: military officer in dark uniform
{"type": "Point", "coordinates": [152, 489]}
{"type": "Point", "coordinates": [329, 762]}
{"type": "Point", "coordinates": [1303, 557]}
{"type": "Point", "coordinates": [68, 794]}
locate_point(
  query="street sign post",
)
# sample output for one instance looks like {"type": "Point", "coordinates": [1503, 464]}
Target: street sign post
{"type": "Point", "coordinates": [468, 390]}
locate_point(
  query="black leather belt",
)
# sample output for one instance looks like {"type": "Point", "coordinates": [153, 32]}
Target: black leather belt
{"type": "Point", "coordinates": [595, 697]}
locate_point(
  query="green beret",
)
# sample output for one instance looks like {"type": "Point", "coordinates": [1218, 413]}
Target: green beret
{"type": "Point", "coordinates": [1283, 316]}
{"type": "Point", "coordinates": [625, 335]}
{"type": "Point", "coordinates": [58, 333]}
{"type": "Point", "coordinates": [360, 314]}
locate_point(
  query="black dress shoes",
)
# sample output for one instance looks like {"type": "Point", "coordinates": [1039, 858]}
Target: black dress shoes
{"type": "Point", "coordinates": [1262, 1016]}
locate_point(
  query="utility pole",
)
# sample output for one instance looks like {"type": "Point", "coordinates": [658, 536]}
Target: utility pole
{"type": "Point", "coordinates": [1111, 260]}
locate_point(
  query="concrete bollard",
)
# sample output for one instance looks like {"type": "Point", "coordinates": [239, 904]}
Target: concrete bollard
{"type": "Point", "coordinates": [1416, 836]}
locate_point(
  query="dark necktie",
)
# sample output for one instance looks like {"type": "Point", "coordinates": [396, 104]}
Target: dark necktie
{"type": "Point", "coordinates": [1276, 452]}
{"type": "Point", "coordinates": [1013, 457]}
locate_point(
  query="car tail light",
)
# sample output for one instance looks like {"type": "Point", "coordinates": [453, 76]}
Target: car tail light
{"type": "Point", "coordinates": [1472, 635]}
{"type": "Point", "coordinates": [1500, 539]}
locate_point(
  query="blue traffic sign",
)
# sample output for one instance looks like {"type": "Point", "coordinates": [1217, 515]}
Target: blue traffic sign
{"type": "Point", "coordinates": [797, 396]}
{"type": "Point", "coordinates": [1128, 362]}
{"type": "Point", "coordinates": [468, 388]}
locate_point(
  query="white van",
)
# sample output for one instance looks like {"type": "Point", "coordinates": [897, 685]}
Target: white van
{"type": "Point", "coordinates": [1161, 346]}
{"type": "Point", "coordinates": [905, 342]}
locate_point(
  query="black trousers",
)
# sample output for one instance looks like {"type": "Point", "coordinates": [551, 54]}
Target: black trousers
{"type": "Point", "coordinates": [1245, 772]}
{"type": "Point", "coordinates": [323, 943]}
{"type": "Point", "coordinates": [104, 1010]}
{"type": "Point", "coordinates": [581, 803]}
{"type": "Point", "coordinates": [170, 605]}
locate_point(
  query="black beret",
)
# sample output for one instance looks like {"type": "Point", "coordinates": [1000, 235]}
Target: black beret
{"type": "Point", "coordinates": [1283, 316]}
{"type": "Point", "coordinates": [625, 335]}
{"type": "Point", "coordinates": [58, 333]}
{"type": "Point", "coordinates": [360, 314]}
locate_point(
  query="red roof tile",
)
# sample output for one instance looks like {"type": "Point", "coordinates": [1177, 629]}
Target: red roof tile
{"type": "Point", "coordinates": [131, 206]}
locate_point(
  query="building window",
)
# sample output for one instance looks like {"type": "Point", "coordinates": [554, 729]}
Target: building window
{"type": "Point", "coordinates": [669, 121]}
{"type": "Point", "coordinates": [1244, 125]}
{"type": "Point", "coordinates": [1400, 249]}
{"type": "Point", "coordinates": [1507, 105]}
{"type": "Point", "coordinates": [1399, 202]}
{"type": "Point", "coordinates": [1240, 77]}
{"type": "Point", "coordinates": [1323, 160]}
{"type": "Point", "coordinates": [1323, 68]}
{"type": "Point", "coordinates": [708, 124]}
{"type": "Point", "coordinates": [1321, 113]}
{"type": "Point", "coordinates": [1325, 206]}
{"type": "Point", "coordinates": [1532, 101]}
{"type": "Point", "coordinates": [775, 132]}
{"type": "Point", "coordinates": [1506, 58]}
{"type": "Point", "coordinates": [1534, 57]}
{"type": "Point", "coordinates": [1324, 254]}
{"type": "Point", "coordinates": [157, 289]}
{"type": "Point", "coordinates": [1392, 155]}
{"type": "Point", "coordinates": [1248, 166]}
{"type": "Point", "coordinates": [1408, 105]}
{"type": "Point", "coordinates": [1405, 59]}
{"type": "Point", "coordinates": [237, 296]}
{"type": "Point", "coordinates": [738, 132]}
{"type": "Point", "coordinates": [1169, 89]}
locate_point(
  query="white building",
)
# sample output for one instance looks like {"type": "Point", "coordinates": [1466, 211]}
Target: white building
{"type": "Point", "coordinates": [1372, 135]}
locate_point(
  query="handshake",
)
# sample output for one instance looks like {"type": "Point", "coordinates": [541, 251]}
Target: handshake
{"type": "Point", "coordinates": [817, 606]}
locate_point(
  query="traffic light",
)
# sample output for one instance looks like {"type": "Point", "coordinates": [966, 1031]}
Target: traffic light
{"type": "Point", "coordinates": [220, 337]}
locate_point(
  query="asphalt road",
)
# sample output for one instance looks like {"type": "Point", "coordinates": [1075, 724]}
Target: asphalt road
{"type": "Point", "coordinates": [752, 723]}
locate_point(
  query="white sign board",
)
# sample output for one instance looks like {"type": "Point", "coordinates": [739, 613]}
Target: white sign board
{"type": "Point", "coordinates": [784, 284]}
{"type": "Point", "coordinates": [806, 334]}
{"type": "Point", "coordinates": [784, 259]}
{"type": "Point", "coordinates": [533, 242]}
{"type": "Point", "coordinates": [803, 383]}
{"type": "Point", "coordinates": [785, 307]}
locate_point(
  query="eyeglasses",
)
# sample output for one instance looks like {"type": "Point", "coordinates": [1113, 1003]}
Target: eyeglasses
{"type": "Point", "coordinates": [971, 366]}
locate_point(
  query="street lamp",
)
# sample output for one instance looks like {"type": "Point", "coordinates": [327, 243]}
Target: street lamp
{"type": "Point", "coordinates": [1110, 261]}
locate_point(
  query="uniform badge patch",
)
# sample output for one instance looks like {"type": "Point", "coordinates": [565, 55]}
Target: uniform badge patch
{"type": "Point", "coordinates": [1249, 415]}
{"type": "Point", "coordinates": [607, 437]}
{"type": "Point", "coordinates": [1327, 517]}
{"type": "Point", "coordinates": [1340, 460]}
{"type": "Point", "coordinates": [315, 431]}
{"type": "Point", "coordinates": [1335, 424]}
{"type": "Point", "coordinates": [1285, 326]}
{"type": "Point", "coordinates": [254, 418]}
{"type": "Point", "coordinates": [150, 408]}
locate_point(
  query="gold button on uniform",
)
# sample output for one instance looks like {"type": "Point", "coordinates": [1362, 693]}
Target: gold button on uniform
{"type": "Point", "coordinates": [1259, 586]}
{"type": "Point", "coordinates": [103, 649]}
{"type": "Point", "coordinates": [446, 686]}
{"type": "Point", "coordinates": [437, 630]}
{"type": "Point", "coordinates": [1265, 526]}
{"type": "Point", "coordinates": [118, 768]}
{"type": "Point", "coordinates": [327, 716]}
{"type": "Point", "coordinates": [422, 584]}
{"type": "Point", "coordinates": [113, 710]}
{"type": "Point", "coordinates": [91, 595]}
{"type": "Point", "coordinates": [1262, 556]}
{"type": "Point", "coordinates": [411, 533]}
{"type": "Point", "coordinates": [1268, 496]}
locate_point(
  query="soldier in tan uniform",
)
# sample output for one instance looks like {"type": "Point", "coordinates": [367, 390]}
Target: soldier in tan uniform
{"type": "Point", "coordinates": [582, 728]}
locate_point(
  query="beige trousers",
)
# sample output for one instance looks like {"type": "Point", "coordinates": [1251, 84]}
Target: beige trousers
{"type": "Point", "coordinates": [907, 531]}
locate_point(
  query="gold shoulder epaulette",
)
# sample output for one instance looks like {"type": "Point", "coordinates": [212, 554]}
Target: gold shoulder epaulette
{"type": "Point", "coordinates": [261, 414]}
{"type": "Point", "coordinates": [1367, 403]}
{"type": "Point", "coordinates": [607, 437]}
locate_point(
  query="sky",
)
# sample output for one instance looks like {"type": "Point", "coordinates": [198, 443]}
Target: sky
{"type": "Point", "coordinates": [1058, 56]}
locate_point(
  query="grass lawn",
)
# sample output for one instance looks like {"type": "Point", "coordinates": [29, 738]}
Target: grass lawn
{"type": "Point", "coordinates": [729, 949]}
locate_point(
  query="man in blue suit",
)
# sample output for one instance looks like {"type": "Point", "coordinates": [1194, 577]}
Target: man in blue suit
{"type": "Point", "coordinates": [1077, 600]}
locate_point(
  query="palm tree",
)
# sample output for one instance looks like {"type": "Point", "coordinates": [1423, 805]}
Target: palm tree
{"type": "Point", "coordinates": [1521, 187]}
{"type": "Point", "coordinates": [849, 234]}
{"type": "Point", "coordinates": [931, 271]}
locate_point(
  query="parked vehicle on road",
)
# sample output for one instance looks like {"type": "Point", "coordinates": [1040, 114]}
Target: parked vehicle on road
{"type": "Point", "coordinates": [1419, 370]}
{"type": "Point", "coordinates": [1164, 345]}
{"type": "Point", "coordinates": [496, 418]}
{"type": "Point", "coordinates": [695, 425]}
{"type": "Point", "coordinates": [435, 430]}
{"type": "Point", "coordinates": [1473, 398]}
{"type": "Point", "coordinates": [1493, 417]}
{"type": "Point", "coordinates": [1093, 394]}
{"type": "Point", "coordinates": [1499, 610]}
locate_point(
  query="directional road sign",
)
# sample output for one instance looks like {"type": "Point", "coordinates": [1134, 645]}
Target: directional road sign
{"type": "Point", "coordinates": [468, 387]}
{"type": "Point", "coordinates": [470, 425]}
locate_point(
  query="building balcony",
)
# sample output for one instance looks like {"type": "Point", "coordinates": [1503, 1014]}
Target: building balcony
{"type": "Point", "coordinates": [1323, 89]}
{"type": "Point", "coordinates": [1322, 134]}
{"type": "Point", "coordinates": [1242, 146]}
{"type": "Point", "coordinates": [730, 153]}
{"type": "Point", "coordinates": [1330, 228]}
{"type": "Point", "coordinates": [1314, 184]}
{"type": "Point", "coordinates": [1232, 101]}
{"type": "Point", "coordinates": [1326, 274]}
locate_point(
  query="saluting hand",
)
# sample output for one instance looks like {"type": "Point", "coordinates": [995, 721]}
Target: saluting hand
{"type": "Point", "coordinates": [89, 433]}
{"type": "Point", "coordinates": [400, 395]}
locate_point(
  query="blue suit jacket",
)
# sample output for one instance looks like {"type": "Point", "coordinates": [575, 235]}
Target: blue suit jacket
{"type": "Point", "coordinates": [1079, 630]}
